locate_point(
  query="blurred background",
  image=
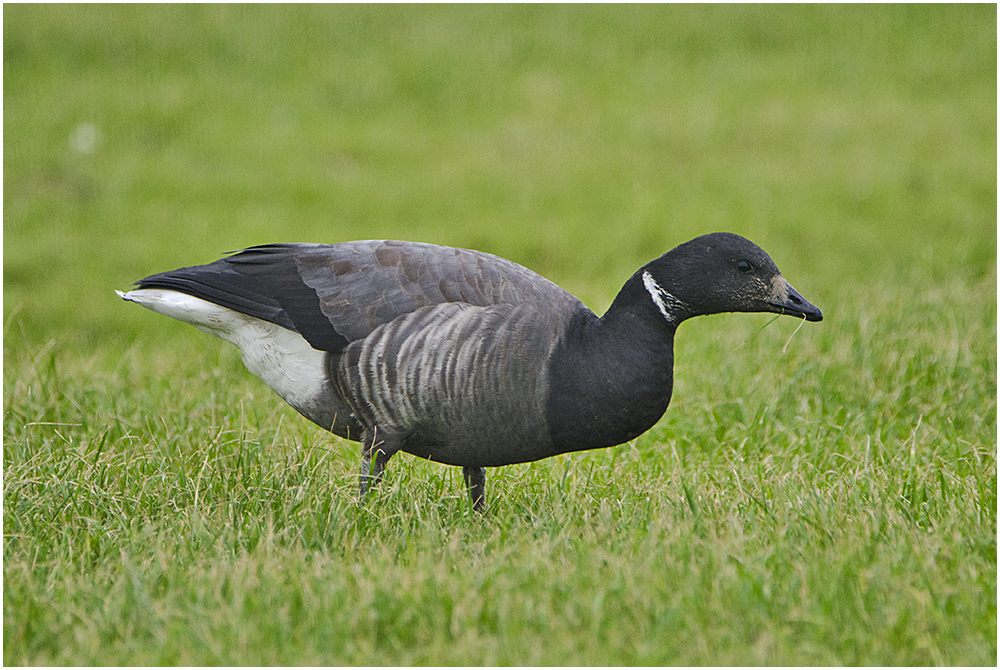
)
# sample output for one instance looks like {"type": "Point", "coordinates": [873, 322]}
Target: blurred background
{"type": "Point", "coordinates": [856, 144]}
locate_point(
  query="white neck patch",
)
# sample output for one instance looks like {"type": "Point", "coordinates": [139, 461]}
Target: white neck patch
{"type": "Point", "coordinates": [665, 302]}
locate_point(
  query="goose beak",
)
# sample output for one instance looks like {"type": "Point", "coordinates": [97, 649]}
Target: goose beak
{"type": "Point", "coordinates": [786, 300]}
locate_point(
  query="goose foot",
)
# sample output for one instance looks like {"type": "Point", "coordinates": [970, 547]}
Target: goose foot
{"type": "Point", "coordinates": [383, 449]}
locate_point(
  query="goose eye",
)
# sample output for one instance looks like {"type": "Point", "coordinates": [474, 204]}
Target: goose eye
{"type": "Point", "coordinates": [744, 266]}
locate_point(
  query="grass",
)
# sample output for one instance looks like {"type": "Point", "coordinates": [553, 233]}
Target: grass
{"type": "Point", "coordinates": [826, 496]}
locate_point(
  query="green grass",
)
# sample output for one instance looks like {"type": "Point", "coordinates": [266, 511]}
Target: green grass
{"type": "Point", "coordinates": [826, 496]}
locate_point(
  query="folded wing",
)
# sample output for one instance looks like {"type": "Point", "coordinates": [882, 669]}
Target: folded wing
{"type": "Point", "coordinates": [335, 294]}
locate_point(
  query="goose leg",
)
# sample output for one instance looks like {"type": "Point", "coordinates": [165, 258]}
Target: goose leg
{"type": "Point", "coordinates": [475, 482]}
{"type": "Point", "coordinates": [383, 449]}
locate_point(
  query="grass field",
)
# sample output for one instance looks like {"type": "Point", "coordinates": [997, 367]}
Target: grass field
{"type": "Point", "coordinates": [825, 496]}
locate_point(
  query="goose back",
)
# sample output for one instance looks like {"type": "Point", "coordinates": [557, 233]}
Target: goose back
{"type": "Point", "coordinates": [334, 294]}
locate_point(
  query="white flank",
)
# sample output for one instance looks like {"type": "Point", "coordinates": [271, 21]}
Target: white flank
{"type": "Point", "coordinates": [280, 357]}
{"type": "Point", "coordinates": [664, 301]}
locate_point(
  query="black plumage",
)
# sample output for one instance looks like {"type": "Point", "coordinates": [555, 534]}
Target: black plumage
{"type": "Point", "coordinates": [459, 356]}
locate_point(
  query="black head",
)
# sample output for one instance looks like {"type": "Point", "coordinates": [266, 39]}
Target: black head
{"type": "Point", "coordinates": [721, 272]}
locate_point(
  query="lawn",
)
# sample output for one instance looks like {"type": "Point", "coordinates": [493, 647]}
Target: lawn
{"type": "Point", "coordinates": [826, 495]}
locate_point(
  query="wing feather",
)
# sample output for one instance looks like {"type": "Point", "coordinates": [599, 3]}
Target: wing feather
{"type": "Point", "coordinates": [338, 293]}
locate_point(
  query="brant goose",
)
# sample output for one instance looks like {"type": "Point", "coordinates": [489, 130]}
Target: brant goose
{"type": "Point", "coordinates": [459, 356]}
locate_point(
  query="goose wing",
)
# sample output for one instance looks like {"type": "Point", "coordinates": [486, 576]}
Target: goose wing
{"type": "Point", "coordinates": [333, 294]}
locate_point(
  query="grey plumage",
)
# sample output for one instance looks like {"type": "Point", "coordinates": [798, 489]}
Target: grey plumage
{"type": "Point", "coordinates": [459, 356]}
{"type": "Point", "coordinates": [434, 380]}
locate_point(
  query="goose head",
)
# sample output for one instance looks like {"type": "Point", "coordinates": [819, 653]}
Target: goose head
{"type": "Point", "coordinates": [721, 272]}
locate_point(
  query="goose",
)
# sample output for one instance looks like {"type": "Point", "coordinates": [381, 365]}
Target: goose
{"type": "Point", "coordinates": [459, 356]}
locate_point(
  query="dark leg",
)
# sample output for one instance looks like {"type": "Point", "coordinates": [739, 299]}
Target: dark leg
{"type": "Point", "coordinates": [374, 443]}
{"type": "Point", "coordinates": [475, 481]}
